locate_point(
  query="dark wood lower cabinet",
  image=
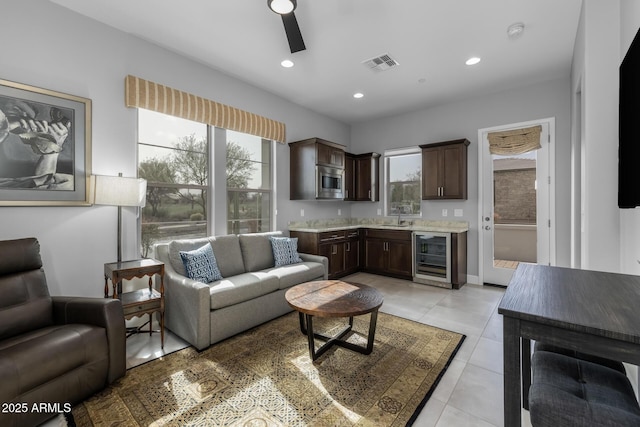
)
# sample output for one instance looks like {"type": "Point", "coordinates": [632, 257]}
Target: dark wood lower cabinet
{"type": "Point", "coordinates": [342, 249]}
{"type": "Point", "coordinates": [385, 252]}
{"type": "Point", "coordinates": [335, 253]}
{"type": "Point", "coordinates": [458, 259]}
{"type": "Point", "coordinates": [352, 252]}
{"type": "Point", "coordinates": [388, 252]}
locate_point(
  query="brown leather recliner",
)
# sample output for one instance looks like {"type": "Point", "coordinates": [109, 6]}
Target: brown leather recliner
{"type": "Point", "coordinates": [54, 351]}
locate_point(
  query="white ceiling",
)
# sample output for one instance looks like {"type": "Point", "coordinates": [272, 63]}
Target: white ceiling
{"type": "Point", "coordinates": [431, 40]}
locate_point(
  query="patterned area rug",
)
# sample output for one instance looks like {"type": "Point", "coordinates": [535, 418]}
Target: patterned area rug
{"type": "Point", "coordinates": [265, 377]}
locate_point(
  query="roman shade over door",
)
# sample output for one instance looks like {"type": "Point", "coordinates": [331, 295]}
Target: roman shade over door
{"type": "Point", "coordinates": [140, 93]}
{"type": "Point", "coordinates": [512, 142]}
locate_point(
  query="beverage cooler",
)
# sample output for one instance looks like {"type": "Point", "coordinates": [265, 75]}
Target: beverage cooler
{"type": "Point", "coordinates": [432, 258]}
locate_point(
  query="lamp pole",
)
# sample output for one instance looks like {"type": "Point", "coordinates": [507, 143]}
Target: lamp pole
{"type": "Point", "coordinates": [120, 228]}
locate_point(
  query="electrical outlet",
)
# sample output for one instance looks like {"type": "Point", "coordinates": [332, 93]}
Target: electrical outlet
{"type": "Point", "coordinates": [457, 212]}
{"type": "Point", "coordinates": [445, 212]}
{"type": "Point", "coordinates": [379, 211]}
{"type": "Point", "coordinates": [339, 212]}
{"type": "Point", "coordinates": [301, 212]}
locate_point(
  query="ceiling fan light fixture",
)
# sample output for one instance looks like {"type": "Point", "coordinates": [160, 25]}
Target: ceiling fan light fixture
{"type": "Point", "coordinates": [282, 7]}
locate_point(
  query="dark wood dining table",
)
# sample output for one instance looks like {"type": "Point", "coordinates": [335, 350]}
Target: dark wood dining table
{"type": "Point", "coordinates": [591, 311]}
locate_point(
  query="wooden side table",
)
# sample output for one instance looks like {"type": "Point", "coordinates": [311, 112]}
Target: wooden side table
{"type": "Point", "coordinates": [142, 301]}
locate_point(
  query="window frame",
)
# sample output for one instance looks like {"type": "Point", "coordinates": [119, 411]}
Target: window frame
{"type": "Point", "coordinates": [216, 221]}
{"type": "Point", "coordinates": [388, 155]}
{"type": "Point", "coordinates": [270, 190]}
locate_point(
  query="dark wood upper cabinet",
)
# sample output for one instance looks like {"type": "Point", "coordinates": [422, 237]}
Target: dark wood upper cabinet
{"type": "Point", "coordinates": [329, 153]}
{"type": "Point", "coordinates": [364, 175]}
{"type": "Point", "coordinates": [304, 157]}
{"type": "Point", "coordinates": [349, 177]}
{"type": "Point", "coordinates": [444, 170]}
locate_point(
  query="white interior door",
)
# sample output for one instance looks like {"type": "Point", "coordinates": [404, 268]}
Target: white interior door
{"type": "Point", "coordinates": [516, 205]}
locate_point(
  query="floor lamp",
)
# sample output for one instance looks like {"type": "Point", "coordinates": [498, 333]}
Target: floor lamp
{"type": "Point", "coordinates": [119, 191]}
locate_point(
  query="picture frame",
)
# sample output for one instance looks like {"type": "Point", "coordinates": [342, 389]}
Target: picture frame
{"type": "Point", "coordinates": [45, 147]}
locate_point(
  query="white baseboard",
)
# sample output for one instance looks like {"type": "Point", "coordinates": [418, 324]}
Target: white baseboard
{"type": "Point", "coordinates": [473, 280]}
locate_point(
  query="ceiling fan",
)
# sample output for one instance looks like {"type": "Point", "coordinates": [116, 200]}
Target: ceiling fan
{"type": "Point", "coordinates": [285, 9]}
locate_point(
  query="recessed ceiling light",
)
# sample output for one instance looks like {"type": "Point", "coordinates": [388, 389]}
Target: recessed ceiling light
{"type": "Point", "coordinates": [472, 61]}
{"type": "Point", "coordinates": [422, 80]}
{"type": "Point", "coordinates": [358, 95]}
{"type": "Point", "coordinates": [515, 30]}
{"type": "Point", "coordinates": [287, 63]}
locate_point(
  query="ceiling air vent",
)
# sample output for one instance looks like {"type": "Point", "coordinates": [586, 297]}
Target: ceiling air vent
{"type": "Point", "coordinates": [380, 63]}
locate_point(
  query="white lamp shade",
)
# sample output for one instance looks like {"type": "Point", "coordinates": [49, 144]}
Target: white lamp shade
{"type": "Point", "coordinates": [118, 191]}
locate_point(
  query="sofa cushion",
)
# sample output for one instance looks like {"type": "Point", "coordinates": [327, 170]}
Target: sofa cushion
{"type": "Point", "coordinates": [242, 287]}
{"type": "Point", "coordinates": [285, 250]}
{"type": "Point", "coordinates": [201, 265]}
{"type": "Point", "coordinates": [228, 254]}
{"type": "Point", "coordinates": [256, 250]}
{"type": "Point", "coordinates": [176, 246]}
{"type": "Point", "coordinates": [293, 274]}
{"type": "Point", "coordinates": [29, 360]}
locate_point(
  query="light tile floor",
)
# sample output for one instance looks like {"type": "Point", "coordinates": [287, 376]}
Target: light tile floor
{"type": "Point", "coordinates": [470, 392]}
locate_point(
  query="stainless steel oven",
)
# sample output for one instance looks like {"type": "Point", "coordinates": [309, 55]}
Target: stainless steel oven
{"type": "Point", "coordinates": [432, 258]}
{"type": "Point", "coordinates": [329, 183]}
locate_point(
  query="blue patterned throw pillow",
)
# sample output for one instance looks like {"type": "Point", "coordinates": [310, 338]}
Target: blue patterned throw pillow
{"type": "Point", "coordinates": [285, 250]}
{"type": "Point", "coordinates": [201, 264]}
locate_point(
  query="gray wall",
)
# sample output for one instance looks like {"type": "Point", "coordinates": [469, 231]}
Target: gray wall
{"type": "Point", "coordinates": [594, 83]}
{"type": "Point", "coordinates": [54, 48]}
{"type": "Point", "coordinates": [629, 218]}
{"type": "Point", "coordinates": [462, 119]}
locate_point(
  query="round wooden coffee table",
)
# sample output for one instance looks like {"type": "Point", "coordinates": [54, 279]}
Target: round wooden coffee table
{"type": "Point", "coordinates": [334, 298]}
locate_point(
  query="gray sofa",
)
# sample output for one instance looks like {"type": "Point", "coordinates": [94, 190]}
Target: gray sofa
{"type": "Point", "coordinates": [250, 293]}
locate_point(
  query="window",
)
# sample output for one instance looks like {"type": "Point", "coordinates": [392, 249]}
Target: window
{"type": "Point", "coordinates": [403, 181]}
{"type": "Point", "coordinates": [248, 183]}
{"type": "Point", "coordinates": [173, 156]}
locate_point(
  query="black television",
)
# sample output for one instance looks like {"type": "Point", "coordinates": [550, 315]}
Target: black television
{"type": "Point", "coordinates": [629, 128]}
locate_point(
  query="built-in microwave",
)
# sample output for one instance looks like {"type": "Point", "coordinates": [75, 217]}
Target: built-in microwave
{"type": "Point", "coordinates": [329, 183]}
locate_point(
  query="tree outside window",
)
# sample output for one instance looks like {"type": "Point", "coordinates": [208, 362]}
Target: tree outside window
{"type": "Point", "coordinates": [173, 156]}
{"type": "Point", "coordinates": [404, 184]}
{"type": "Point", "coordinates": [248, 183]}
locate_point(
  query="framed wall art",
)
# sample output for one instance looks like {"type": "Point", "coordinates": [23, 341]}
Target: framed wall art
{"type": "Point", "coordinates": [45, 147]}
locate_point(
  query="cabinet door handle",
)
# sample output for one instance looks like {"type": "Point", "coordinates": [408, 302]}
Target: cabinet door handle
{"type": "Point", "coordinates": [369, 194]}
{"type": "Point", "coordinates": [348, 248]}
{"type": "Point", "coordinates": [346, 194]}
{"type": "Point", "coordinates": [334, 249]}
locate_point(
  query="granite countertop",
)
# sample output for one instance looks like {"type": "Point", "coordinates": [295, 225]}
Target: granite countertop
{"type": "Point", "coordinates": [386, 223]}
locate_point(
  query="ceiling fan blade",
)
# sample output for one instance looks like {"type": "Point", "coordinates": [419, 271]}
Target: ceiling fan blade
{"type": "Point", "coordinates": [296, 44]}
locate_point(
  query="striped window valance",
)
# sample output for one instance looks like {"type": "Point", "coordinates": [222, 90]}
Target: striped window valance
{"type": "Point", "coordinates": [516, 141]}
{"type": "Point", "coordinates": [140, 93]}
